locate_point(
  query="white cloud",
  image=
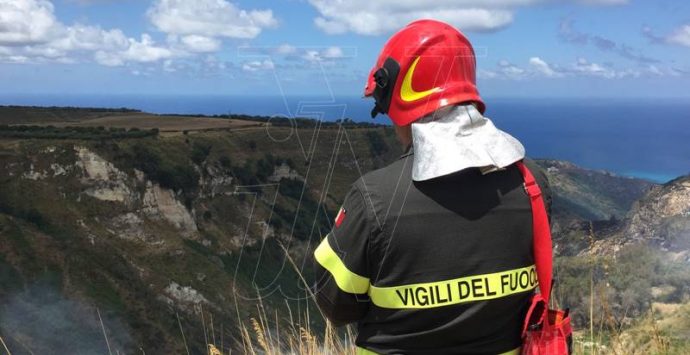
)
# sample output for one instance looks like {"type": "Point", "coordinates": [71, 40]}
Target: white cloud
{"type": "Point", "coordinates": [333, 52]}
{"type": "Point", "coordinates": [662, 71]}
{"type": "Point", "coordinates": [653, 69]}
{"type": "Point", "coordinates": [286, 49]}
{"type": "Point", "coordinates": [142, 51]}
{"type": "Point", "coordinates": [544, 68]}
{"type": "Point", "coordinates": [78, 39]}
{"type": "Point", "coordinates": [311, 56]}
{"type": "Point", "coordinates": [315, 55]}
{"type": "Point", "coordinates": [257, 65]}
{"type": "Point", "coordinates": [539, 68]}
{"type": "Point", "coordinates": [146, 50]}
{"type": "Point", "coordinates": [604, 2]}
{"type": "Point", "coordinates": [19, 59]}
{"type": "Point", "coordinates": [323, 55]}
{"type": "Point", "coordinates": [377, 17]}
{"type": "Point", "coordinates": [582, 66]}
{"type": "Point", "coordinates": [200, 44]}
{"type": "Point", "coordinates": [337, 27]}
{"type": "Point", "coordinates": [585, 68]}
{"type": "Point", "coordinates": [169, 66]}
{"type": "Point", "coordinates": [383, 16]}
{"type": "Point", "coordinates": [26, 22]}
{"type": "Point", "coordinates": [486, 74]}
{"type": "Point", "coordinates": [681, 36]}
{"type": "Point", "coordinates": [209, 18]}
{"type": "Point", "coordinates": [30, 32]}
{"type": "Point", "coordinates": [510, 70]}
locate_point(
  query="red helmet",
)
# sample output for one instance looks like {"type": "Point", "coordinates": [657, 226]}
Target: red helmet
{"type": "Point", "coordinates": [423, 67]}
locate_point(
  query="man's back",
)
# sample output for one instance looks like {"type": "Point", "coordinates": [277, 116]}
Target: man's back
{"type": "Point", "coordinates": [449, 260]}
{"type": "Point", "coordinates": [433, 254]}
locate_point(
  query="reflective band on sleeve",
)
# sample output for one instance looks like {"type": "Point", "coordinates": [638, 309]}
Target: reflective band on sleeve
{"type": "Point", "coordinates": [346, 280]}
{"type": "Point", "coordinates": [461, 290]}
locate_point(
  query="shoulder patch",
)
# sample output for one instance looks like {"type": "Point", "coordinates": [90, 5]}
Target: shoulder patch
{"type": "Point", "coordinates": [340, 217]}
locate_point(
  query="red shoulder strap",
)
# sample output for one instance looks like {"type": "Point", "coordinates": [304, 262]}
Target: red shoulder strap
{"type": "Point", "coordinates": [541, 233]}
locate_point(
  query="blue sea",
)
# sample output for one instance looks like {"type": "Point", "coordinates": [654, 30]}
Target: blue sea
{"type": "Point", "coordinates": [646, 138]}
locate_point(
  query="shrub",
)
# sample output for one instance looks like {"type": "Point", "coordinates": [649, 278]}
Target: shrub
{"type": "Point", "coordinates": [265, 167]}
{"type": "Point", "coordinates": [252, 145]}
{"type": "Point", "coordinates": [175, 175]}
{"type": "Point", "coordinates": [225, 161]}
{"type": "Point", "coordinates": [291, 188]}
{"type": "Point", "coordinates": [200, 151]}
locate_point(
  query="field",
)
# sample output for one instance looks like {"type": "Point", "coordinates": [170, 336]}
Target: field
{"type": "Point", "coordinates": [116, 118]}
{"type": "Point", "coordinates": [163, 123]}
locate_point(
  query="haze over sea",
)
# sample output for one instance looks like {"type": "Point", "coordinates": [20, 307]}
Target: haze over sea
{"type": "Point", "coordinates": [646, 138]}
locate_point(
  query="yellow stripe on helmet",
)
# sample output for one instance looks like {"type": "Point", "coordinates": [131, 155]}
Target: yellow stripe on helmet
{"type": "Point", "coordinates": [407, 93]}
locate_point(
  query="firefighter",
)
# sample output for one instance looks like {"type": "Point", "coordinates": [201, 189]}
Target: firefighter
{"type": "Point", "coordinates": [433, 253]}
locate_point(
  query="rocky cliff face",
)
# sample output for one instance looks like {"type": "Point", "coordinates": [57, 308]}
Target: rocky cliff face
{"type": "Point", "coordinates": [662, 217]}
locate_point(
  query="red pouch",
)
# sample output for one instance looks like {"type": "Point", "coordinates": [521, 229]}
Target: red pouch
{"type": "Point", "coordinates": [545, 331]}
{"type": "Point", "coordinates": [552, 337]}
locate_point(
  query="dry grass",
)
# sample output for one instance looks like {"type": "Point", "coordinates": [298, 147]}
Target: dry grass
{"type": "Point", "coordinates": [5, 346]}
{"type": "Point", "coordinates": [264, 335]}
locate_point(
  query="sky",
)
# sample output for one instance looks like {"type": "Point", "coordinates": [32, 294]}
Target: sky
{"type": "Point", "coordinates": [525, 48]}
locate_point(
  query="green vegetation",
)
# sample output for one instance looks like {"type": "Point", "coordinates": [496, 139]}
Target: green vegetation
{"type": "Point", "coordinates": [623, 293]}
{"type": "Point", "coordinates": [200, 151]}
{"type": "Point", "coordinates": [622, 285]}
{"type": "Point", "coordinates": [171, 173]}
{"type": "Point", "coordinates": [266, 166]}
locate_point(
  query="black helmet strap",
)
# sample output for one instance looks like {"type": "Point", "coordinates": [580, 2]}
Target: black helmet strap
{"type": "Point", "coordinates": [385, 78]}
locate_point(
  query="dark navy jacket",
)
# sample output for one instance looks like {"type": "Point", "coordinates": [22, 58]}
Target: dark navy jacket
{"type": "Point", "coordinates": [442, 266]}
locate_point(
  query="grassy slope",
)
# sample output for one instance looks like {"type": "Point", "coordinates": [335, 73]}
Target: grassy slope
{"type": "Point", "coordinates": [50, 224]}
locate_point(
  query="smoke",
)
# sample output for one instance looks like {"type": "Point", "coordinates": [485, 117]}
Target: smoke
{"type": "Point", "coordinates": [39, 320]}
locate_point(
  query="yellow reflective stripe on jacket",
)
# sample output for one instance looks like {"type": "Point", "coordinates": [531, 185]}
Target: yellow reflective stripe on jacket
{"type": "Point", "coordinates": [460, 290]}
{"type": "Point", "coordinates": [346, 280]}
{"type": "Point", "coordinates": [363, 351]}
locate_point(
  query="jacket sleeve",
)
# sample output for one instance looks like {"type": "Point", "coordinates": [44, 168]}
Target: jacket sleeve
{"type": "Point", "coordinates": [341, 263]}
